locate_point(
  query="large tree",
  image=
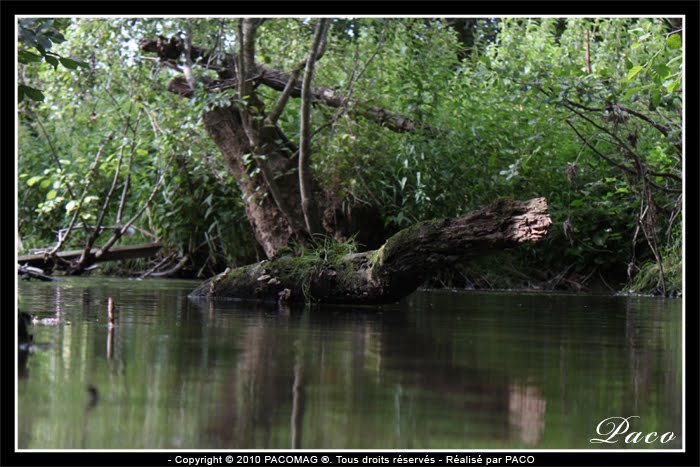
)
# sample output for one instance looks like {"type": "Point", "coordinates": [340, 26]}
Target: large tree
{"type": "Point", "coordinates": [285, 203]}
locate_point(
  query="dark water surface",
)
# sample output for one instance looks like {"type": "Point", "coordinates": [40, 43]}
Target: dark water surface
{"type": "Point", "coordinates": [440, 370]}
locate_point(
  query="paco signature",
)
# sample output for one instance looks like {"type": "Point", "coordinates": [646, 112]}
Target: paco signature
{"type": "Point", "coordinates": [619, 426]}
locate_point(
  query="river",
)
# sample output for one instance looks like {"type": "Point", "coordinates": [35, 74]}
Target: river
{"type": "Point", "coordinates": [440, 370]}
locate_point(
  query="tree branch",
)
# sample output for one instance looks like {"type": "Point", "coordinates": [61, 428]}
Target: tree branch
{"type": "Point", "coordinates": [79, 207]}
{"type": "Point", "coordinates": [598, 153]}
{"type": "Point", "coordinates": [187, 69]}
{"type": "Point", "coordinates": [313, 224]}
{"type": "Point", "coordinates": [279, 81]}
{"type": "Point", "coordinates": [665, 130]}
{"type": "Point", "coordinates": [642, 172]}
{"type": "Point", "coordinates": [276, 111]}
{"type": "Point", "coordinates": [117, 235]}
{"type": "Point", "coordinates": [351, 83]}
{"type": "Point", "coordinates": [100, 218]}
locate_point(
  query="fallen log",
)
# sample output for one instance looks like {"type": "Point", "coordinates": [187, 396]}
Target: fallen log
{"type": "Point", "coordinates": [141, 250]}
{"type": "Point", "coordinates": [393, 271]}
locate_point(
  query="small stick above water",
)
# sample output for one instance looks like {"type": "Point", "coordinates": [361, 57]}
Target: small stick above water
{"type": "Point", "coordinates": [110, 312]}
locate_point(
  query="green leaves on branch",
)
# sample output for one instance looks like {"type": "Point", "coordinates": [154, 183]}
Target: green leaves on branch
{"type": "Point", "coordinates": [41, 34]}
{"type": "Point", "coordinates": [673, 41]}
{"type": "Point", "coordinates": [659, 76]}
{"type": "Point", "coordinates": [634, 71]}
{"type": "Point", "coordinates": [30, 92]}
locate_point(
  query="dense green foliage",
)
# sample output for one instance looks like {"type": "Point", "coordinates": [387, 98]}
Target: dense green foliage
{"type": "Point", "coordinates": [586, 112]}
{"type": "Point", "coordinates": [37, 36]}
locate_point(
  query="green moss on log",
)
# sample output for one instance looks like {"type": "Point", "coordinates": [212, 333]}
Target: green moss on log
{"type": "Point", "coordinates": [399, 240]}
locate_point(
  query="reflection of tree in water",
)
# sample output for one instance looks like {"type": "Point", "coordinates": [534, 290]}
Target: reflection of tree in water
{"type": "Point", "coordinates": [478, 397]}
{"type": "Point", "coordinates": [358, 378]}
{"type": "Point", "coordinates": [642, 345]}
{"type": "Point", "coordinates": [526, 409]}
{"type": "Point", "coordinates": [268, 387]}
{"type": "Point", "coordinates": [258, 386]}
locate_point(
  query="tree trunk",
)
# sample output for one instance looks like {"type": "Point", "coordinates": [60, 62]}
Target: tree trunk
{"type": "Point", "coordinates": [393, 271]}
{"type": "Point", "coordinates": [274, 227]}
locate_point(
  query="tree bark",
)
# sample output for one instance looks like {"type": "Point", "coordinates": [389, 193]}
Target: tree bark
{"type": "Point", "coordinates": [393, 271]}
{"type": "Point", "coordinates": [274, 227]}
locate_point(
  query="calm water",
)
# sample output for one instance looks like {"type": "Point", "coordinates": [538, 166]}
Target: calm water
{"type": "Point", "coordinates": [441, 370]}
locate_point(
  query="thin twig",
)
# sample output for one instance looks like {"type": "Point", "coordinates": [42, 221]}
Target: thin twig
{"type": "Point", "coordinates": [100, 218]}
{"type": "Point", "coordinates": [351, 84]}
{"type": "Point", "coordinates": [180, 264]}
{"type": "Point", "coordinates": [662, 128]}
{"type": "Point", "coordinates": [78, 208]}
{"type": "Point", "coordinates": [600, 154]}
{"type": "Point", "coordinates": [604, 130]}
{"type": "Point", "coordinates": [126, 119]}
{"type": "Point", "coordinates": [158, 265]}
{"type": "Point", "coordinates": [276, 111]}
{"type": "Point", "coordinates": [127, 184]}
{"type": "Point", "coordinates": [117, 235]}
{"type": "Point", "coordinates": [643, 171]}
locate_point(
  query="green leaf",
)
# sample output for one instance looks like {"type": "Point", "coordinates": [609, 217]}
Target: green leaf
{"type": "Point", "coordinates": [32, 93]}
{"type": "Point", "coordinates": [43, 41]}
{"type": "Point", "coordinates": [24, 56]}
{"type": "Point", "coordinates": [659, 73]}
{"type": "Point", "coordinates": [32, 181]}
{"type": "Point", "coordinates": [27, 23]}
{"type": "Point", "coordinates": [673, 41]}
{"type": "Point", "coordinates": [51, 60]}
{"type": "Point", "coordinates": [72, 64]}
{"type": "Point", "coordinates": [634, 71]}
{"type": "Point", "coordinates": [70, 205]}
{"type": "Point", "coordinates": [654, 99]}
{"type": "Point", "coordinates": [56, 37]}
{"type": "Point", "coordinates": [51, 194]}
{"type": "Point", "coordinates": [631, 92]}
{"type": "Point", "coordinates": [673, 85]}
{"type": "Point", "coordinates": [28, 38]}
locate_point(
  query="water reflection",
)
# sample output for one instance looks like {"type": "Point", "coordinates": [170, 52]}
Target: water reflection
{"type": "Point", "coordinates": [440, 370]}
{"type": "Point", "coordinates": [526, 410]}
